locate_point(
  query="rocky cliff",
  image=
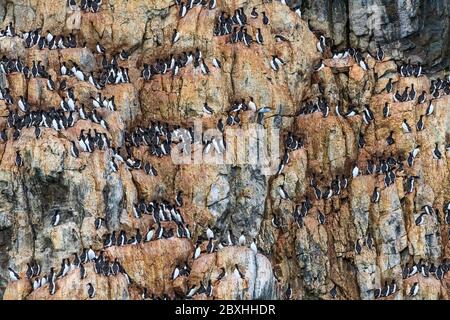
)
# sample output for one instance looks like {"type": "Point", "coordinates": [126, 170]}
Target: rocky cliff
{"type": "Point", "coordinates": [356, 205]}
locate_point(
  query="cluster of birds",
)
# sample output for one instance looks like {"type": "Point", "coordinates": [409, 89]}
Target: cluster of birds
{"type": "Point", "coordinates": [205, 286]}
{"type": "Point", "coordinates": [9, 66]}
{"type": "Point", "coordinates": [235, 26]}
{"type": "Point", "coordinates": [207, 289]}
{"type": "Point", "coordinates": [291, 143]}
{"type": "Point", "coordinates": [163, 211]}
{"type": "Point", "coordinates": [49, 41]}
{"type": "Point", "coordinates": [159, 138]}
{"type": "Point", "coordinates": [425, 269]}
{"type": "Point", "coordinates": [102, 266]}
{"type": "Point", "coordinates": [312, 106]}
{"type": "Point", "coordinates": [111, 72]}
{"type": "Point", "coordinates": [174, 64]}
{"type": "Point", "coordinates": [65, 117]}
{"type": "Point", "coordinates": [324, 48]}
{"type": "Point", "coordinates": [85, 5]}
{"type": "Point", "coordinates": [410, 70]}
{"type": "Point", "coordinates": [391, 166]}
{"type": "Point", "coordinates": [301, 210]}
{"type": "Point", "coordinates": [190, 4]}
{"type": "Point", "coordinates": [438, 88]}
{"type": "Point", "coordinates": [387, 290]}
{"type": "Point", "coordinates": [420, 268]}
{"type": "Point", "coordinates": [9, 31]}
{"type": "Point", "coordinates": [34, 38]}
{"type": "Point", "coordinates": [160, 212]}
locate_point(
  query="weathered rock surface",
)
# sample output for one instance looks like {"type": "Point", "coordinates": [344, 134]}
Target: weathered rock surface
{"type": "Point", "coordinates": [418, 30]}
{"type": "Point", "coordinates": [312, 258]}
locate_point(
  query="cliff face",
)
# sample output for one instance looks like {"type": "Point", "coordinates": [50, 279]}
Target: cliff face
{"type": "Point", "coordinates": [348, 241]}
{"type": "Point", "coordinates": [417, 30]}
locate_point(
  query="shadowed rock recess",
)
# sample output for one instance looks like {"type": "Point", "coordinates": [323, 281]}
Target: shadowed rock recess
{"type": "Point", "coordinates": [358, 206]}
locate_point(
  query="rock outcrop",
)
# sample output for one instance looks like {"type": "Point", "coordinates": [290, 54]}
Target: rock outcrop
{"type": "Point", "coordinates": [314, 245]}
{"type": "Point", "coordinates": [417, 30]}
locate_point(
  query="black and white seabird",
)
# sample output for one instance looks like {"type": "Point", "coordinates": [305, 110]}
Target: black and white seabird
{"type": "Point", "coordinates": [82, 272]}
{"type": "Point", "coordinates": [320, 217]}
{"type": "Point", "coordinates": [430, 109]}
{"type": "Point", "coordinates": [91, 290]}
{"type": "Point", "coordinates": [265, 19]}
{"type": "Point", "coordinates": [389, 86]}
{"type": "Point", "coordinates": [179, 199]}
{"type": "Point", "coordinates": [436, 153]}
{"type": "Point", "coordinates": [175, 36]}
{"type": "Point", "coordinates": [288, 293]}
{"type": "Point", "coordinates": [420, 219]}
{"type": "Point", "coordinates": [380, 54]}
{"type": "Point", "coordinates": [392, 287]}
{"type": "Point", "coordinates": [321, 44]}
{"type": "Point", "coordinates": [405, 126]}
{"type": "Point", "coordinates": [259, 36]}
{"type": "Point", "coordinates": [175, 273]}
{"type": "Point", "coordinates": [251, 104]}
{"type": "Point", "coordinates": [72, 5]}
{"type": "Point", "coordinates": [237, 272]}
{"type": "Point", "coordinates": [74, 150]}
{"type": "Point", "coordinates": [351, 112]}
{"type": "Point", "coordinates": [242, 239]}
{"type": "Point", "coordinates": [439, 273]}
{"type": "Point", "coordinates": [422, 97]}
{"type": "Point", "coordinates": [210, 246]}
{"type": "Point", "coordinates": [420, 124]}
{"type": "Point", "coordinates": [98, 223]}
{"type": "Point", "coordinates": [149, 235]}
{"type": "Point", "coordinates": [183, 10]}
{"type": "Point", "coordinates": [412, 93]}
{"type": "Point", "coordinates": [36, 283]}
{"type": "Point", "coordinates": [416, 151]}
{"type": "Point", "coordinates": [418, 70]}
{"type": "Point", "coordinates": [90, 254]}
{"type": "Point", "coordinates": [253, 246]}
{"type": "Point", "coordinates": [413, 270]}
{"type": "Point", "coordinates": [377, 293]}
{"type": "Point", "coordinates": [222, 274]}
{"type": "Point", "coordinates": [282, 192]}
{"type": "Point", "coordinates": [19, 160]}
{"type": "Point", "coordinates": [76, 261]}
{"type": "Point", "coordinates": [414, 289]}
{"type": "Point", "coordinates": [100, 49]}
{"type": "Point", "coordinates": [52, 287]}
{"type": "Point", "coordinates": [29, 272]}
{"type": "Point", "coordinates": [333, 292]}
{"type": "Point", "coordinates": [254, 14]}
{"type": "Point", "coordinates": [217, 63]}
{"type": "Point", "coordinates": [56, 218]}
{"type": "Point", "coordinates": [197, 251]}
{"type": "Point", "coordinates": [358, 247]}
{"type": "Point", "coordinates": [65, 268]}
{"type": "Point", "coordinates": [375, 195]}
{"type": "Point", "coordinates": [276, 62]}
{"type": "Point", "coordinates": [192, 290]}
{"type": "Point", "coordinates": [355, 172]}
{"type": "Point", "coordinates": [207, 109]}
{"type": "Point", "coordinates": [209, 233]}
{"type": "Point", "coordinates": [385, 290]}
{"type": "Point", "coordinates": [386, 110]}
{"type": "Point", "coordinates": [14, 276]}
{"type": "Point", "coordinates": [319, 66]}
{"type": "Point", "coordinates": [410, 184]}
{"type": "Point", "coordinates": [35, 268]}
